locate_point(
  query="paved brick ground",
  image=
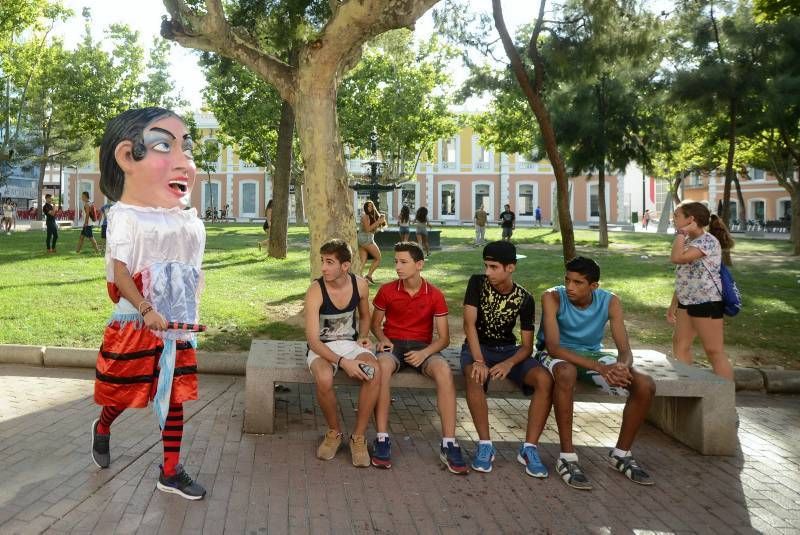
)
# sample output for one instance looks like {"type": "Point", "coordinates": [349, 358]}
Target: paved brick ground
{"type": "Point", "coordinates": [274, 484]}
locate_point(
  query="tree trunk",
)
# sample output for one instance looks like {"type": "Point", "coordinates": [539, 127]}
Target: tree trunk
{"type": "Point", "coordinates": [671, 200]}
{"type": "Point", "coordinates": [278, 226]}
{"type": "Point", "coordinates": [601, 207]}
{"type": "Point", "coordinates": [795, 224]}
{"type": "Point", "coordinates": [742, 213]}
{"type": "Point", "coordinates": [533, 94]}
{"type": "Point", "coordinates": [330, 213]}
{"type": "Point", "coordinates": [726, 196]}
{"type": "Point", "coordinates": [299, 205]}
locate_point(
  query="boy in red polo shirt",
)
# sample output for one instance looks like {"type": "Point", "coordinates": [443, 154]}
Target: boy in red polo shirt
{"type": "Point", "coordinates": [402, 321]}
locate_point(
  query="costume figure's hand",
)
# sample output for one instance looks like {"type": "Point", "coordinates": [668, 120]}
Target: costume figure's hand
{"type": "Point", "coordinates": [155, 321]}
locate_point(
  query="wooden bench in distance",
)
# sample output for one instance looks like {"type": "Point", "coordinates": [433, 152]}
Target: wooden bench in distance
{"type": "Point", "coordinates": [692, 405]}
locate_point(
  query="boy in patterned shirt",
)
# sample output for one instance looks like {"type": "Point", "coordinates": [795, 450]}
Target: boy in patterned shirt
{"type": "Point", "coordinates": [492, 304]}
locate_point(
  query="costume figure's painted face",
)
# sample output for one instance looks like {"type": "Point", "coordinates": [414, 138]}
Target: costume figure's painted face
{"type": "Point", "coordinates": [164, 175]}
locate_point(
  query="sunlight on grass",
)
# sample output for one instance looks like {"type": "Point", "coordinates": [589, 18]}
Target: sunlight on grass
{"type": "Point", "coordinates": [61, 299]}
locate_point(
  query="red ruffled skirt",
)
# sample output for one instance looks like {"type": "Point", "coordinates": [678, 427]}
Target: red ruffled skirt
{"type": "Point", "coordinates": [127, 367]}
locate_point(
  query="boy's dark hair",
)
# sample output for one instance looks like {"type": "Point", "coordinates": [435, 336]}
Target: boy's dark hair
{"type": "Point", "coordinates": [338, 248]}
{"type": "Point", "coordinates": [127, 126]}
{"type": "Point", "coordinates": [48, 196]}
{"type": "Point", "coordinates": [586, 267]}
{"type": "Point", "coordinates": [412, 248]}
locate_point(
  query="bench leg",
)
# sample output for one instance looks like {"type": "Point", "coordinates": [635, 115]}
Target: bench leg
{"type": "Point", "coordinates": [706, 424]}
{"type": "Point", "coordinates": [259, 405]}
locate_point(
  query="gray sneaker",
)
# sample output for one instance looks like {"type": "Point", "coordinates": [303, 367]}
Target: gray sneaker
{"type": "Point", "coordinates": [572, 474]}
{"type": "Point", "coordinates": [629, 467]}
{"type": "Point", "coordinates": [101, 454]}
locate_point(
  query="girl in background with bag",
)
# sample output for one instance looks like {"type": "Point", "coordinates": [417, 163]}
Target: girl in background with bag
{"type": "Point", "coordinates": [696, 307]}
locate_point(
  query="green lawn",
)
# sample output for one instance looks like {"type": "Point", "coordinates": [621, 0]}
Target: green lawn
{"type": "Point", "coordinates": [61, 299]}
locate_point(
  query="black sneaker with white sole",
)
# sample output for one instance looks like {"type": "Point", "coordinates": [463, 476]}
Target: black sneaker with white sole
{"type": "Point", "coordinates": [572, 474]}
{"type": "Point", "coordinates": [181, 484]}
{"type": "Point", "coordinates": [101, 454]}
{"type": "Point", "coordinates": [629, 467]}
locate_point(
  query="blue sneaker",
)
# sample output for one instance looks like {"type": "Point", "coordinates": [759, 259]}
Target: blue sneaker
{"type": "Point", "coordinates": [533, 464]}
{"type": "Point", "coordinates": [451, 456]}
{"type": "Point", "coordinates": [382, 453]}
{"type": "Point", "coordinates": [483, 458]}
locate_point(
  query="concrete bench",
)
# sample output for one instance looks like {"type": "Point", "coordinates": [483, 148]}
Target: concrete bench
{"type": "Point", "coordinates": [692, 405]}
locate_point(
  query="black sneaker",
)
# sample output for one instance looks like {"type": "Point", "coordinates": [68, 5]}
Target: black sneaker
{"type": "Point", "coordinates": [572, 474]}
{"type": "Point", "coordinates": [100, 450]}
{"type": "Point", "coordinates": [629, 467]}
{"type": "Point", "coordinates": [451, 456]}
{"type": "Point", "coordinates": [180, 484]}
{"type": "Point", "coordinates": [382, 453]}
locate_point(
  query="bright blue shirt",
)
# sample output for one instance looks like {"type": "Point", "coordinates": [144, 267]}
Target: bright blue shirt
{"type": "Point", "coordinates": [580, 329]}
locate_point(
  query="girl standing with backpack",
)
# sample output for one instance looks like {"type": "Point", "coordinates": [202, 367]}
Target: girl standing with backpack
{"type": "Point", "coordinates": [697, 307]}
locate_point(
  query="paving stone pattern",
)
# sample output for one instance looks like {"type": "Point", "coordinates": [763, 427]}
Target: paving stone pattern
{"type": "Point", "coordinates": [274, 484]}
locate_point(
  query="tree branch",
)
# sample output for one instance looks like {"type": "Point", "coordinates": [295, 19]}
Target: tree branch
{"type": "Point", "coordinates": [353, 24]}
{"type": "Point", "coordinates": [212, 33]}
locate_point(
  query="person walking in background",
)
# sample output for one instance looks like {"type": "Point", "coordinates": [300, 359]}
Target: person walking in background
{"type": "Point", "coordinates": [421, 225]}
{"type": "Point", "coordinates": [8, 215]}
{"type": "Point", "coordinates": [89, 216]}
{"type": "Point", "coordinates": [371, 221]}
{"type": "Point", "coordinates": [404, 222]}
{"type": "Point", "coordinates": [507, 222]}
{"type": "Point", "coordinates": [538, 215]}
{"type": "Point", "coordinates": [50, 223]}
{"type": "Point", "coordinates": [267, 222]}
{"type": "Point", "coordinates": [480, 226]}
{"type": "Point", "coordinates": [645, 219]}
{"type": "Point", "coordinates": [696, 307]}
{"type": "Point", "coordinates": [104, 220]}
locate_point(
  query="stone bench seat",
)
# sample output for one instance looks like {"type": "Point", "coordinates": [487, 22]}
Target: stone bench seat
{"type": "Point", "coordinates": [692, 405]}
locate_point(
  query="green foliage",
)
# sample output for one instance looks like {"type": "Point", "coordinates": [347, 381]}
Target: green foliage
{"type": "Point", "coordinates": [400, 90]}
{"type": "Point", "coordinates": [248, 109]}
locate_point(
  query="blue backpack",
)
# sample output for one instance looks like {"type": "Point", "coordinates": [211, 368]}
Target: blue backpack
{"type": "Point", "coordinates": [731, 297]}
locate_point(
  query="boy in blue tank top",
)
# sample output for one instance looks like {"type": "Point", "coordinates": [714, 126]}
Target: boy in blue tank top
{"type": "Point", "coordinates": [570, 343]}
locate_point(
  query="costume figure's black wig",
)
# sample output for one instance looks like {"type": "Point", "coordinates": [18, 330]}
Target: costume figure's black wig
{"type": "Point", "coordinates": [127, 126]}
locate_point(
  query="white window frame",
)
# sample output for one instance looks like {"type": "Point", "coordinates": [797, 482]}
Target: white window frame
{"type": "Point", "coordinates": [241, 212]}
{"type": "Point", "coordinates": [751, 208]}
{"type": "Point", "coordinates": [778, 202]}
{"type": "Point", "coordinates": [589, 216]}
{"type": "Point", "coordinates": [203, 185]}
{"type": "Point", "coordinates": [477, 166]}
{"type": "Point", "coordinates": [457, 215]}
{"type": "Point", "coordinates": [489, 209]}
{"type": "Point", "coordinates": [443, 163]}
{"type": "Point", "coordinates": [536, 200]}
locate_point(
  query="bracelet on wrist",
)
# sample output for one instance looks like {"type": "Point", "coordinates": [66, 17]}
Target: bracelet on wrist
{"type": "Point", "coordinates": [146, 311]}
{"type": "Point", "coordinates": [142, 305]}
